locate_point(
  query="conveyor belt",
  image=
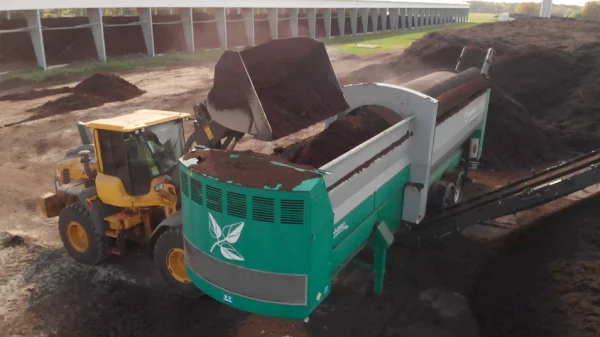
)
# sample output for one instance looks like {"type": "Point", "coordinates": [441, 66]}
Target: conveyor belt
{"type": "Point", "coordinates": [538, 189]}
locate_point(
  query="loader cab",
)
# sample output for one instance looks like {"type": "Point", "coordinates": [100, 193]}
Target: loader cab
{"type": "Point", "coordinates": [135, 153]}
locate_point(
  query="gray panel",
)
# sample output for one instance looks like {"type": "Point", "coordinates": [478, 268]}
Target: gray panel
{"type": "Point", "coordinates": [258, 285]}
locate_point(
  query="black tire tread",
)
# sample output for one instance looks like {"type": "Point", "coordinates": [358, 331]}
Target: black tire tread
{"type": "Point", "coordinates": [163, 244]}
{"type": "Point", "coordinates": [74, 211]}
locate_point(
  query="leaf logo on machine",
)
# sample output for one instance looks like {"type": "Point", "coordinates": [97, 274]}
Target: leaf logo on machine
{"type": "Point", "coordinates": [226, 237]}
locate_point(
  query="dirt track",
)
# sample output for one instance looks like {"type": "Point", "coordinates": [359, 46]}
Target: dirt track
{"type": "Point", "coordinates": [541, 281]}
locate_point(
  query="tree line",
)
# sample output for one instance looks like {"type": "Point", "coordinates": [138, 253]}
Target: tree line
{"type": "Point", "coordinates": [532, 8]}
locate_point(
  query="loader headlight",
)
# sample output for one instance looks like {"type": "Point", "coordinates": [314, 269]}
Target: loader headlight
{"type": "Point", "coordinates": [159, 187]}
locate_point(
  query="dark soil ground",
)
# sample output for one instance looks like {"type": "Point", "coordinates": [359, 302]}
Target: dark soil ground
{"type": "Point", "coordinates": [25, 96]}
{"type": "Point", "coordinates": [544, 280]}
{"type": "Point", "coordinates": [545, 83]}
{"type": "Point", "coordinates": [94, 91]}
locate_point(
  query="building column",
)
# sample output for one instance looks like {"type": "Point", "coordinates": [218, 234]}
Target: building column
{"type": "Point", "coordinates": [327, 22]}
{"type": "Point", "coordinates": [7, 15]}
{"type": "Point", "coordinates": [364, 15]}
{"type": "Point", "coordinates": [221, 16]}
{"type": "Point", "coordinates": [34, 23]}
{"type": "Point", "coordinates": [374, 17]}
{"type": "Point", "coordinates": [394, 18]}
{"type": "Point", "coordinates": [187, 23]}
{"type": "Point", "coordinates": [383, 15]}
{"type": "Point", "coordinates": [402, 18]}
{"type": "Point", "coordinates": [95, 17]}
{"type": "Point", "coordinates": [409, 16]}
{"type": "Point", "coordinates": [353, 19]}
{"type": "Point", "coordinates": [293, 21]}
{"type": "Point", "coordinates": [145, 15]}
{"type": "Point", "coordinates": [273, 15]}
{"type": "Point", "coordinates": [341, 14]}
{"type": "Point", "coordinates": [248, 14]}
{"type": "Point", "coordinates": [428, 16]}
{"type": "Point", "coordinates": [312, 22]}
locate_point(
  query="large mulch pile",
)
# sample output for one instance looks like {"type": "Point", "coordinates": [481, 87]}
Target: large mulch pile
{"type": "Point", "coordinates": [545, 77]}
{"type": "Point", "coordinates": [94, 91]}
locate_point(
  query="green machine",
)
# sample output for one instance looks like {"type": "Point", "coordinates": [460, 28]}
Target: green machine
{"type": "Point", "coordinates": [267, 236]}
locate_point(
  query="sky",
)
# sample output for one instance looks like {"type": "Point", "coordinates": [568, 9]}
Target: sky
{"type": "Point", "coordinates": [556, 2]}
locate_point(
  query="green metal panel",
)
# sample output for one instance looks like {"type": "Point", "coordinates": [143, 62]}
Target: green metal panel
{"type": "Point", "coordinates": [261, 234]}
{"type": "Point", "coordinates": [321, 217]}
{"type": "Point", "coordinates": [348, 247]}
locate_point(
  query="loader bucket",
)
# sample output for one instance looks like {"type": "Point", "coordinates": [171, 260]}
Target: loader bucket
{"type": "Point", "coordinates": [275, 89]}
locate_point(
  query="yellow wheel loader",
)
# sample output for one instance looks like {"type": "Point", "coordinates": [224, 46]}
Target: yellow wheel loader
{"type": "Point", "coordinates": [122, 185]}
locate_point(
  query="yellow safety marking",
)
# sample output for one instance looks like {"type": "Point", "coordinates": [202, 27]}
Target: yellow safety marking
{"type": "Point", "coordinates": [209, 133]}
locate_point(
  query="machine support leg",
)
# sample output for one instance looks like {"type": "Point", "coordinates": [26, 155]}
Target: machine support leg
{"type": "Point", "coordinates": [221, 15]}
{"type": "Point", "coordinates": [294, 21]}
{"type": "Point", "coordinates": [327, 22]}
{"type": "Point", "coordinates": [34, 23]}
{"type": "Point", "coordinates": [273, 15]}
{"type": "Point", "coordinates": [311, 14]}
{"type": "Point", "coordinates": [374, 17]}
{"type": "Point", "coordinates": [364, 15]}
{"type": "Point", "coordinates": [95, 17]}
{"type": "Point", "coordinates": [341, 16]}
{"type": "Point", "coordinates": [354, 20]}
{"type": "Point", "coordinates": [187, 22]}
{"type": "Point", "coordinates": [382, 241]}
{"type": "Point", "coordinates": [146, 20]}
{"type": "Point", "coordinates": [248, 14]}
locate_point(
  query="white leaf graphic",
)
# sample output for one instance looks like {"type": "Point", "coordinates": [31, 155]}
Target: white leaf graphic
{"type": "Point", "coordinates": [233, 231]}
{"type": "Point", "coordinates": [230, 253]}
{"type": "Point", "coordinates": [214, 228]}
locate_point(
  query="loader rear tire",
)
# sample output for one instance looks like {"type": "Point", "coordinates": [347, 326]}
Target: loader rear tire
{"type": "Point", "coordinates": [170, 263]}
{"type": "Point", "coordinates": [82, 239]}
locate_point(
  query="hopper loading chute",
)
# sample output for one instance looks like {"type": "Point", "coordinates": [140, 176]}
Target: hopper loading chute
{"type": "Point", "coordinates": [275, 89]}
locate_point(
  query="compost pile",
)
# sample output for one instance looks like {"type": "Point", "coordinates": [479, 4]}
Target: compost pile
{"type": "Point", "coordinates": [545, 78]}
{"type": "Point", "coordinates": [340, 137]}
{"type": "Point", "coordinates": [249, 168]}
{"type": "Point", "coordinates": [94, 91]}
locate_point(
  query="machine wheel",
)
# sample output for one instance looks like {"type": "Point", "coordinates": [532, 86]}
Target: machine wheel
{"type": "Point", "coordinates": [456, 177]}
{"type": "Point", "coordinates": [170, 262]}
{"type": "Point", "coordinates": [441, 196]}
{"type": "Point", "coordinates": [84, 241]}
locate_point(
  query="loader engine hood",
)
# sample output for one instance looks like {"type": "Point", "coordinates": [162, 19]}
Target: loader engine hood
{"type": "Point", "coordinates": [249, 222]}
{"type": "Point", "coordinates": [275, 89]}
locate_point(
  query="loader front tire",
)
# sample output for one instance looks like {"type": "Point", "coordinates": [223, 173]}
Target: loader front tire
{"type": "Point", "coordinates": [170, 263]}
{"type": "Point", "coordinates": [82, 239]}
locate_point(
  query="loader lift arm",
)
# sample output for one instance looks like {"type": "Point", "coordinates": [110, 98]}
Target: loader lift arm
{"type": "Point", "coordinates": [540, 188]}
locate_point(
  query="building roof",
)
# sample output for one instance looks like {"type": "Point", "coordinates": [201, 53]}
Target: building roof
{"type": "Point", "coordinates": [44, 4]}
